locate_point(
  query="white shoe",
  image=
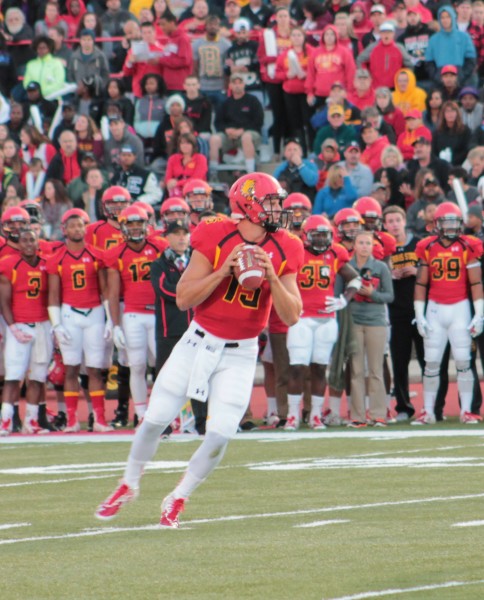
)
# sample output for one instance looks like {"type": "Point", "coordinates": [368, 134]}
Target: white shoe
{"type": "Point", "coordinates": [469, 418]}
{"type": "Point", "coordinates": [331, 419]}
{"type": "Point", "coordinates": [424, 418]}
{"type": "Point", "coordinates": [101, 428]}
{"type": "Point", "coordinates": [316, 424]}
{"type": "Point", "coordinates": [292, 423]}
{"type": "Point", "coordinates": [32, 427]}
{"type": "Point", "coordinates": [390, 417]}
{"type": "Point", "coordinates": [6, 427]}
{"type": "Point", "coordinates": [72, 428]}
{"type": "Point", "coordinates": [170, 511]}
{"type": "Point", "coordinates": [272, 420]}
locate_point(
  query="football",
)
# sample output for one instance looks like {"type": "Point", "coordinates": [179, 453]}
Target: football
{"type": "Point", "coordinates": [249, 273]}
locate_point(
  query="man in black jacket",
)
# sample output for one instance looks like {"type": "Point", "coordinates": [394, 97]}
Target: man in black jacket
{"type": "Point", "coordinates": [141, 183]}
{"type": "Point", "coordinates": [239, 122]}
{"type": "Point", "coordinates": [415, 38]}
{"type": "Point", "coordinates": [171, 322]}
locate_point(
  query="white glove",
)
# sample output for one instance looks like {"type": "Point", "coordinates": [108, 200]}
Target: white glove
{"type": "Point", "coordinates": [476, 326]}
{"type": "Point", "coordinates": [21, 336]}
{"type": "Point", "coordinates": [423, 326]}
{"type": "Point", "coordinates": [333, 303]}
{"type": "Point", "coordinates": [108, 331]}
{"type": "Point", "coordinates": [118, 337]}
{"type": "Point", "coordinates": [62, 335]}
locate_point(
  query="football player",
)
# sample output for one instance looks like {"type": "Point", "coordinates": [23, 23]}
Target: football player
{"type": "Point", "coordinates": [301, 208]}
{"type": "Point", "coordinates": [105, 234]}
{"type": "Point", "coordinates": [198, 195]}
{"type": "Point", "coordinates": [174, 209]}
{"type": "Point", "coordinates": [372, 215]}
{"type": "Point", "coordinates": [218, 352]}
{"type": "Point", "coordinates": [448, 266]}
{"type": "Point", "coordinates": [310, 341]}
{"type": "Point", "coordinates": [28, 345]}
{"type": "Point", "coordinates": [13, 220]}
{"type": "Point", "coordinates": [78, 317]}
{"type": "Point", "coordinates": [129, 273]}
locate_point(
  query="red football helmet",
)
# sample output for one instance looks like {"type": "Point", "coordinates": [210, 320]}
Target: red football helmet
{"type": "Point", "coordinates": [198, 194]}
{"type": "Point", "coordinates": [348, 222]}
{"type": "Point", "coordinates": [371, 211]}
{"type": "Point", "coordinates": [133, 221]}
{"type": "Point", "coordinates": [13, 220]}
{"type": "Point", "coordinates": [301, 208]}
{"type": "Point", "coordinates": [75, 212]}
{"type": "Point", "coordinates": [35, 211]}
{"type": "Point", "coordinates": [150, 211]}
{"type": "Point", "coordinates": [448, 220]}
{"type": "Point", "coordinates": [317, 233]}
{"type": "Point", "coordinates": [56, 373]}
{"type": "Point", "coordinates": [174, 209]}
{"type": "Point", "coordinates": [114, 200]}
{"type": "Point", "coordinates": [248, 195]}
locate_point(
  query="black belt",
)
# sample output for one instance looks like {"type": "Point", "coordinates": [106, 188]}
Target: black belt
{"type": "Point", "coordinates": [227, 345]}
{"type": "Point", "coordinates": [84, 313]}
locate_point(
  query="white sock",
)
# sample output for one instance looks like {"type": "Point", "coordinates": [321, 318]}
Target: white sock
{"type": "Point", "coordinates": [367, 402]}
{"type": "Point", "coordinates": [316, 405]}
{"type": "Point", "coordinates": [271, 406]}
{"type": "Point", "coordinates": [388, 401]}
{"type": "Point", "coordinates": [293, 402]}
{"type": "Point", "coordinates": [7, 411]}
{"type": "Point", "coordinates": [31, 412]}
{"type": "Point", "coordinates": [250, 164]}
{"type": "Point", "coordinates": [465, 385]}
{"type": "Point", "coordinates": [61, 406]}
{"type": "Point", "coordinates": [145, 444]}
{"type": "Point", "coordinates": [335, 405]}
{"type": "Point", "coordinates": [139, 389]}
{"type": "Point", "coordinates": [202, 463]}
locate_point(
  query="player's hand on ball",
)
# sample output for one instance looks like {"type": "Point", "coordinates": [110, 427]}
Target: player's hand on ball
{"type": "Point", "coordinates": [476, 326]}
{"type": "Point", "coordinates": [332, 304]}
{"type": "Point", "coordinates": [119, 338]}
{"type": "Point", "coordinates": [21, 336]}
{"type": "Point", "coordinates": [423, 327]}
{"type": "Point", "coordinates": [265, 262]}
{"type": "Point", "coordinates": [62, 335]}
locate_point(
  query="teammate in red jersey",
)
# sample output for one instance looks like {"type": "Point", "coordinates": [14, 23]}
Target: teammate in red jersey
{"type": "Point", "coordinates": [28, 345]}
{"type": "Point", "coordinates": [129, 272]}
{"type": "Point", "coordinates": [372, 215]}
{"type": "Point", "coordinates": [348, 223]}
{"type": "Point", "coordinates": [198, 195]}
{"type": "Point", "coordinates": [77, 316]}
{"type": "Point", "coordinates": [448, 266]}
{"type": "Point", "coordinates": [310, 341]}
{"type": "Point", "coordinates": [13, 220]}
{"type": "Point", "coordinates": [217, 355]}
{"type": "Point", "coordinates": [174, 209]}
{"type": "Point", "coordinates": [107, 234]}
{"type": "Point", "coordinates": [301, 208]}
{"type": "Point", "coordinates": [46, 247]}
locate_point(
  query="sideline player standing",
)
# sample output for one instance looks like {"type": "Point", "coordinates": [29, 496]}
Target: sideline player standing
{"type": "Point", "coordinates": [448, 265]}
{"type": "Point", "coordinates": [79, 323]}
{"type": "Point", "coordinates": [129, 273]}
{"type": "Point", "coordinates": [28, 346]}
{"type": "Point", "coordinates": [206, 358]}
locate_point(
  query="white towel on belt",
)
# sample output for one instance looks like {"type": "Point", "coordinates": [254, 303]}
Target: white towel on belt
{"type": "Point", "coordinates": [206, 361]}
{"type": "Point", "coordinates": [41, 347]}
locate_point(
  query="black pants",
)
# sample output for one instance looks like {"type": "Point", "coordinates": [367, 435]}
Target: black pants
{"type": "Point", "coordinates": [297, 111]}
{"type": "Point", "coordinates": [164, 346]}
{"type": "Point", "coordinates": [444, 384]}
{"type": "Point", "coordinates": [404, 334]}
{"type": "Point", "coordinates": [279, 126]}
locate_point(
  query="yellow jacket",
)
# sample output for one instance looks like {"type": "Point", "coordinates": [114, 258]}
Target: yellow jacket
{"type": "Point", "coordinates": [413, 98]}
{"type": "Point", "coordinates": [136, 6]}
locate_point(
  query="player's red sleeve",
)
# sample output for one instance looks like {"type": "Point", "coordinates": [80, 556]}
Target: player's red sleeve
{"type": "Point", "coordinates": [110, 258]}
{"type": "Point", "coordinates": [203, 236]}
{"type": "Point", "coordinates": [378, 251]}
{"type": "Point", "coordinates": [294, 255]}
{"type": "Point", "coordinates": [342, 254]}
{"type": "Point", "coordinates": [6, 268]}
{"type": "Point", "coordinates": [52, 262]}
{"type": "Point", "coordinates": [476, 248]}
{"type": "Point", "coordinates": [421, 250]}
{"type": "Point", "coordinates": [89, 237]}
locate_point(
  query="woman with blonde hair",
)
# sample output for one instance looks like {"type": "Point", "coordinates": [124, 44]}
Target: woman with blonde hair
{"type": "Point", "coordinates": [337, 193]}
{"type": "Point", "coordinates": [392, 158]}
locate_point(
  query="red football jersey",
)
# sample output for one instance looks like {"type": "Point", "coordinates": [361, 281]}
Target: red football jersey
{"type": "Point", "coordinates": [103, 235]}
{"type": "Point", "coordinates": [156, 238]}
{"type": "Point", "coordinates": [79, 275]}
{"type": "Point", "coordinates": [29, 289]}
{"type": "Point", "coordinates": [135, 270]}
{"type": "Point", "coordinates": [7, 250]}
{"type": "Point", "coordinates": [316, 278]}
{"type": "Point", "coordinates": [47, 248]}
{"type": "Point", "coordinates": [448, 281]}
{"type": "Point", "coordinates": [231, 311]}
{"type": "Point", "coordinates": [386, 241]}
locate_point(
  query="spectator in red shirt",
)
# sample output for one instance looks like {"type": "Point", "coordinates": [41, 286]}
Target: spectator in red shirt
{"type": "Point", "coordinates": [136, 67]}
{"type": "Point", "coordinates": [177, 59]}
{"type": "Point", "coordinates": [185, 164]}
{"type": "Point", "coordinates": [375, 144]}
{"type": "Point", "coordinates": [414, 130]}
{"type": "Point", "coordinates": [363, 92]}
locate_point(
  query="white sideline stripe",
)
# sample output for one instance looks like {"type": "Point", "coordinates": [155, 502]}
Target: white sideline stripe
{"type": "Point", "coordinates": [14, 525]}
{"type": "Point", "coordinates": [259, 436]}
{"type": "Point", "coordinates": [421, 588]}
{"type": "Point", "coordinates": [104, 531]}
{"type": "Point", "coordinates": [322, 523]}
{"type": "Point", "coordinates": [469, 524]}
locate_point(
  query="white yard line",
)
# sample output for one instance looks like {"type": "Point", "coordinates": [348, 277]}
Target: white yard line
{"type": "Point", "coordinates": [422, 588]}
{"type": "Point", "coordinates": [14, 525]}
{"type": "Point", "coordinates": [322, 523]}
{"type": "Point", "coordinates": [229, 518]}
{"type": "Point", "coordinates": [469, 524]}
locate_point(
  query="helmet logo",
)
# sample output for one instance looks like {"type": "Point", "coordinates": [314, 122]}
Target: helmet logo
{"type": "Point", "coordinates": [248, 188]}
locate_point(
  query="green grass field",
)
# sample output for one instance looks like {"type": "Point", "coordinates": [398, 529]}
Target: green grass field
{"type": "Point", "coordinates": [331, 515]}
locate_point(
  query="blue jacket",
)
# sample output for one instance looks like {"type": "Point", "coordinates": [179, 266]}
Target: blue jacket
{"type": "Point", "coordinates": [330, 201]}
{"type": "Point", "coordinates": [308, 171]}
{"type": "Point", "coordinates": [452, 47]}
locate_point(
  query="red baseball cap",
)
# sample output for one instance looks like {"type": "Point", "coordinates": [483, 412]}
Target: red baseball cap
{"type": "Point", "coordinates": [449, 69]}
{"type": "Point", "coordinates": [413, 114]}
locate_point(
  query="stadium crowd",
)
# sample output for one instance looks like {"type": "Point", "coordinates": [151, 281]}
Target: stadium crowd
{"type": "Point", "coordinates": [123, 125]}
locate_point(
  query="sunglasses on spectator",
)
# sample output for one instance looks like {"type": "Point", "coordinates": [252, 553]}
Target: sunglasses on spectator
{"type": "Point", "coordinates": [430, 182]}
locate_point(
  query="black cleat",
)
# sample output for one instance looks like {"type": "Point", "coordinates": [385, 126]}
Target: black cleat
{"type": "Point", "coordinates": [60, 420]}
{"type": "Point", "coordinates": [90, 422]}
{"type": "Point", "coordinates": [120, 420]}
{"type": "Point", "coordinates": [43, 419]}
{"type": "Point", "coordinates": [16, 422]}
